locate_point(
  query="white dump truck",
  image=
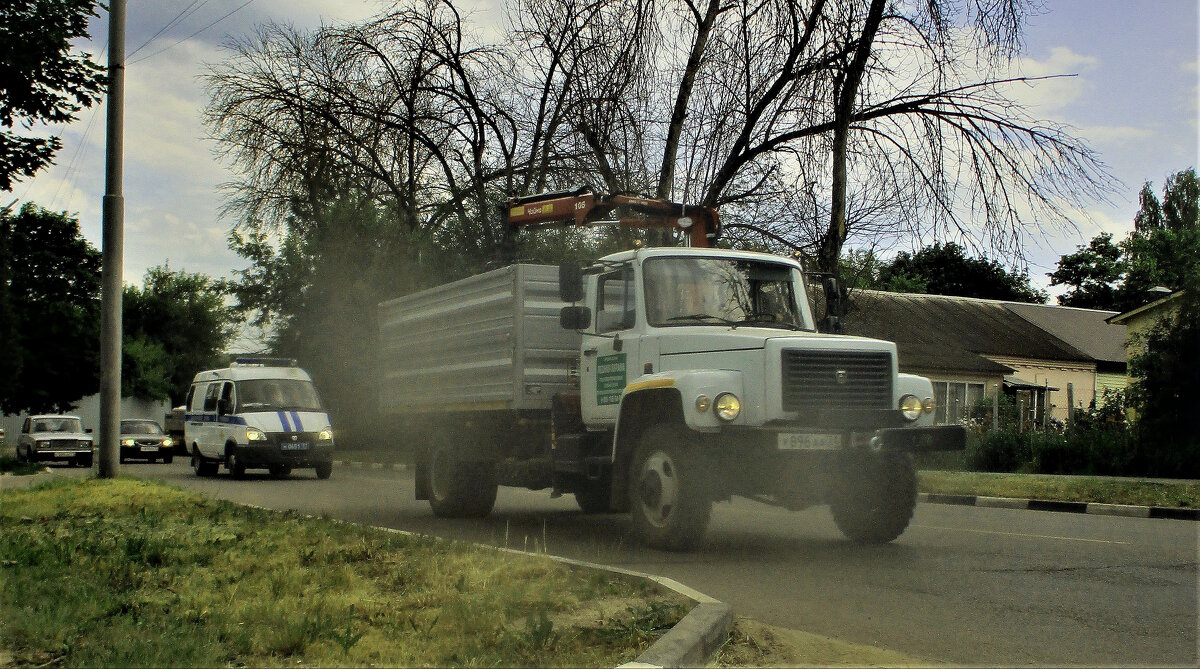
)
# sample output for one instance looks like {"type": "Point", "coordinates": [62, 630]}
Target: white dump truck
{"type": "Point", "coordinates": [656, 382]}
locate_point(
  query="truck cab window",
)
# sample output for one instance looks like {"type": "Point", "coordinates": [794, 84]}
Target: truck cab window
{"type": "Point", "coordinates": [616, 302]}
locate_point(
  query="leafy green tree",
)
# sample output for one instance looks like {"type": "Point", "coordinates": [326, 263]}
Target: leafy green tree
{"type": "Point", "coordinates": [175, 325]}
{"type": "Point", "coordinates": [44, 79]}
{"type": "Point", "coordinates": [1093, 273]}
{"type": "Point", "coordinates": [53, 284]}
{"type": "Point", "coordinates": [947, 270]}
{"type": "Point", "coordinates": [1164, 248]}
{"type": "Point", "coordinates": [1167, 374]}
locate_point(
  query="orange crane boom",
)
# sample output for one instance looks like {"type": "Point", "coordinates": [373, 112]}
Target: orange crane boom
{"type": "Point", "coordinates": [583, 207]}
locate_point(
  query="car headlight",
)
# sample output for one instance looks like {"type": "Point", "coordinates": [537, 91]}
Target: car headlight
{"type": "Point", "coordinates": [124, 442]}
{"type": "Point", "coordinates": [255, 434]}
{"type": "Point", "coordinates": [929, 405]}
{"type": "Point", "coordinates": [325, 435]}
{"type": "Point", "coordinates": [910, 407]}
{"type": "Point", "coordinates": [168, 442]}
{"type": "Point", "coordinates": [39, 444]}
{"type": "Point", "coordinates": [727, 406]}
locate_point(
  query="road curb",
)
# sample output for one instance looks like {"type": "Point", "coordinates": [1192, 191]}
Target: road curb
{"type": "Point", "coordinates": [1125, 510]}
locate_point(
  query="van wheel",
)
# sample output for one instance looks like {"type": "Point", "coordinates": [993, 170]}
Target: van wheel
{"type": "Point", "coordinates": [458, 488]}
{"type": "Point", "coordinates": [874, 497]}
{"type": "Point", "coordinates": [236, 465]}
{"type": "Point", "coordinates": [202, 465]}
{"type": "Point", "coordinates": [666, 491]}
{"type": "Point", "coordinates": [324, 470]}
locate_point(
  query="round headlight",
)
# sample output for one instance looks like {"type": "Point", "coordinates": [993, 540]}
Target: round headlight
{"type": "Point", "coordinates": [325, 435]}
{"type": "Point", "coordinates": [929, 405]}
{"type": "Point", "coordinates": [911, 407]}
{"type": "Point", "coordinates": [703, 403]}
{"type": "Point", "coordinates": [727, 407]}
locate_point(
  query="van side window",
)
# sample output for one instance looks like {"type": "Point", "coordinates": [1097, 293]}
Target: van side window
{"type": "Point", "coordinates": [187, 403]}
{"type": "Point", "coordinates": [227, 396]}
{"type": "Point", "coordinates": [210, 397]}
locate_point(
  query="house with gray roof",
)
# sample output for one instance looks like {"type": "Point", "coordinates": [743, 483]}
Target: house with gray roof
{"type": "Point", "coordinates": [1046, 357]}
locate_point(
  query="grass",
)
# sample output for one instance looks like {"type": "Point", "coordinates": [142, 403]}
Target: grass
{"type": "Point", "coordinates": [1100, 489]}
{"type": "Point", "coordinates": [133, 573]}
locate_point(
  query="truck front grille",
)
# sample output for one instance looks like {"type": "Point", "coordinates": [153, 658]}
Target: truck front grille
{"type": "Point", "coordinates": [819, 381]}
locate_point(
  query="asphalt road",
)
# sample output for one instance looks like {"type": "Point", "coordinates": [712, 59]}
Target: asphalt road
{"type": "Point", "coordinates": [964, 585]}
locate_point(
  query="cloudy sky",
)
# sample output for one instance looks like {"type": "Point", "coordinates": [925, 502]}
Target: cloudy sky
{"type": "Point", "coordinates": [1134, 99]}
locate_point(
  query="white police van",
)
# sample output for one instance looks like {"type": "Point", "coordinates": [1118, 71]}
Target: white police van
{"type": "Point", "coordinates": [257, 413]}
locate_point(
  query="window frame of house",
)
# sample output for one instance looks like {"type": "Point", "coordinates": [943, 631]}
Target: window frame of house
{"type": "Point", "coordinates": [967, 394]}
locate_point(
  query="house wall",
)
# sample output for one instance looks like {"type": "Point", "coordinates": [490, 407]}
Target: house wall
{"type": "Point", "coordinates": [1057, 374]}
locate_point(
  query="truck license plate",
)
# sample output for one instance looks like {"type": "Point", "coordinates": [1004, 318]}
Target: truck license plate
{"type": "Point", "coordinates": [809, 441]}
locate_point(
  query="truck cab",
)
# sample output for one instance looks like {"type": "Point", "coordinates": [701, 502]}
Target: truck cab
{"type": "Point", "coordinates": [703, 373]}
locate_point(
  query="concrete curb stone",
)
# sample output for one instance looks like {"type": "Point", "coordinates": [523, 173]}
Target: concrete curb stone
{"type": "Point", "coordinates": [1126, 510]}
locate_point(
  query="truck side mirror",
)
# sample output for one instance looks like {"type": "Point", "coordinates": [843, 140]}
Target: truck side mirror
{"type": "Point", "coordinates": [570, 283]}
{"type": "Point", "coordinates": [575, 318]}
{"type": "Point", "coordinates": [834, 307]}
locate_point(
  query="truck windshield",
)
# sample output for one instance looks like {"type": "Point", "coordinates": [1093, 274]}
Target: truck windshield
{"type": "Point", "coordinates": [277, 395]}
{"type": "Point", "coordinates": [722, 291]}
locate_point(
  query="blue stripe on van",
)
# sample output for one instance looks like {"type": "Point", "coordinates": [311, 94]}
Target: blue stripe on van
{"type": "Point", "coordinates": [296, 421]}
{"type": "Point", "coordinates": [283, 419]}
{"type": "Point", "coordinates": [213, 418]}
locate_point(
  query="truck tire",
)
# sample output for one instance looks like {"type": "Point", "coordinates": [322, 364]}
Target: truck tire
{"type": "Point", "coordinates": [666, 492]}
{"type": "Point", "coordinates": [458, 488]}
{"type": "Point", "coordinates": [594, 496]}
{"type": "Point", "coordinates": [874, 497]}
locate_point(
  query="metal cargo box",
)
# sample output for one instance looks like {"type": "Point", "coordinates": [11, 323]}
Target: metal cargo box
{"type": "Point", "coordinates": [488, 342]}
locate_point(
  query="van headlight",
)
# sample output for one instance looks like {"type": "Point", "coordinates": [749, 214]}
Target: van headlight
{"type": "Point", "coordinates": [255, 434]}
{"type": "Point", "coordinates": [727, 406]}
{"type": "Point", "coordinates": [910, 407]}
{"type": "Point", "coordinates": [325, 435]}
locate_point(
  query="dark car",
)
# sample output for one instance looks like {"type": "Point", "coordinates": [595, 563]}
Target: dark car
{"type": "Point", "coordinates": [145, 440]}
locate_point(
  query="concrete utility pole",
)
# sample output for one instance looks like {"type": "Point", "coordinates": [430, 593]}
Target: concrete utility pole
{"type": "Point", "coordinates": [113, 248]}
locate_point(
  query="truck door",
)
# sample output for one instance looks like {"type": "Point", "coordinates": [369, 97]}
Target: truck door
{"type": "Point", "coordinates": [610, 349]}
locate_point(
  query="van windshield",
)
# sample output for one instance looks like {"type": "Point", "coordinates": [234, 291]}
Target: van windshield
{"type": "Point", "coordinates": [277, 395]}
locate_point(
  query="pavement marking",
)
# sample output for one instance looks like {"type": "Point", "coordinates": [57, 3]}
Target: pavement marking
{"type": "Point", "coordinates": [1024, 536]}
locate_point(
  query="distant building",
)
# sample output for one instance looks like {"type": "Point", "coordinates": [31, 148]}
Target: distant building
{"type": "Point", "coordinates": [1046, 357]}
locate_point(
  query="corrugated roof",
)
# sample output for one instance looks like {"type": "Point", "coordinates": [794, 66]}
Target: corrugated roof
{"type": "Point", "coordinates": [946, 332]}
{"type": "Point", "coordinates": [1088, 330]}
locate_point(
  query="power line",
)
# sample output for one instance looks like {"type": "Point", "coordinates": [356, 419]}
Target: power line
{"type": "Point", "coordinates": [227, 15]}
{"type": "Point", "coordinates": [179, 17]}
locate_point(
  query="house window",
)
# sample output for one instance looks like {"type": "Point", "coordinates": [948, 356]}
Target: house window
{"type": "Point", "coordinates": [955, 401]}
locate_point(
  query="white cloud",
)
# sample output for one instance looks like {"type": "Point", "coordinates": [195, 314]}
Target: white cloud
{"type": "Point", "coordinates": [1071, 80]}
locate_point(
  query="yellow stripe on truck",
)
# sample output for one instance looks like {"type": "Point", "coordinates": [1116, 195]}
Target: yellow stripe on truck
{"type": "Point", "coordinates": [650, 384]}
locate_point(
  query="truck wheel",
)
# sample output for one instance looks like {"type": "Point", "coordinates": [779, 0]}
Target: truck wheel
{"type": "Point", "coordinates": [666, 492]}
{"type": "Point", "coordinates": [459, 489]}
{"type": "Point", "coordinates": [324, 470]}
{"type": "Point", "coordinates": [594, 496]}
{"type": "Point", "coordinates": [202, 465]}
{"type": "Point", "coordinates": [874, 497]}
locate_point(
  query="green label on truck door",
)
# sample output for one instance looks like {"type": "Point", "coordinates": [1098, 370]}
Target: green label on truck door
{"type": "Point", "coordinates": [610, 378]}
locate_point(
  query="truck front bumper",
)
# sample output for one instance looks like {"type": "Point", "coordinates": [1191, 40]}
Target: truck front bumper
{"type": "Point", "coordinates": [921, 439]}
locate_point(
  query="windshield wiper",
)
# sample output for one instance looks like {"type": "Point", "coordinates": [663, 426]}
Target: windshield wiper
{"type": "Point", "coordinates": [703, 317]}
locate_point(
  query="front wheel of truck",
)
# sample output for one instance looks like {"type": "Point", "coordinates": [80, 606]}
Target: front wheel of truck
{"type": "Point", "coordinates": [459, 488]}
{"type": "Point", "coordinates": [666, 492]}
{"type": "Point", "coordinates": [874, 496]}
